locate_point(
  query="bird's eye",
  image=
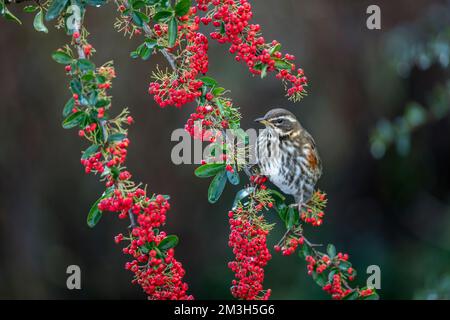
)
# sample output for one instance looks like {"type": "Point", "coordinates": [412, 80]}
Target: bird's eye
{"type": "Point", "coordinates": [279, 121]}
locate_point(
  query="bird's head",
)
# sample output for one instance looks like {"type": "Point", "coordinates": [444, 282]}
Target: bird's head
{"type": "Point", "coordinates": [281, 121]}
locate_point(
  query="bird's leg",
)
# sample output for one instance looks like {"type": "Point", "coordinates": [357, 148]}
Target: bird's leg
{"type": "Point", "coordinates": [252, 170]}
{"type": "Point", "coordinates": [300, 204]}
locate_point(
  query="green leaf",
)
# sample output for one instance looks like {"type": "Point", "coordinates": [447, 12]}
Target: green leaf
{"type": "Point", "coordinates": [96, 3]}
{"type": "Point", "coordinates": [344, 265]}
{"type": "Point", "coordinates": [88, 77]}
{"type": "Point", "coordinates": [145, 53]}
{"type": "Point", "coordinates": [331, 251]}
{"type": "Point", "coordinates": [134, 54]}
{"type": "Point", "coordinates": [73, 120]}
{"type": "Point", "coordinates": [38, 22]}
{"type": "Point", "coordinates": [182, 7]}
{"type": "Point", "coordinates": [173, 32]}
{"type": "Point", "coordinates": [93, 98]}
{"type": "Point", "coordinates": [275, 49]}
{"type": "Point", "coordinates": [209, 82]}
{"type": "Point", "coordinates": [68, 107]}
{"type": "Point", "coordinates": [7, 14]}
{"type": "Point", "coordinates": [264, 71]}
{"type": "Point", "coordinates": [233, 177]}
{"type": "Point", "coordinates": [283, 65]}
{"type": "Point", "coordinates": [55, 9]}
{"type": "Point", "coordinates": [278, 197]}
{"type": "Point", "coordinates": [305, 251]}
{"type": "Point", "coordinates": [218, 91]}
{"type": "Point", "coordinates": [62, 57]}
{"type": "Point", "coordinates": [137, 19]}
{"type": "Point", "coordinates": [320, 279]}
{"type": "Point", "coordinates": [89, 151]}
{"type": "Point", "coordinates": [241, 195]}
{"type": "Point", "coordinates": [291, 218]}
{"type": "Point", "coordinates": [136, 5]}
{"type": "Point", "coordinates": [163, 15]}
{"type": "Point", "coordinates": [351, 296]}
{"type": "Point", "coordinates": [216, 187]}
{"type": "Point", "coordinates": [30, 9]}
{"type": "Point", "coordinates": [102, 103]}
{"type": "Point", "coordinates": [85, 65]}
{"type": "Point", "coordinates": [373, 296]}
{"type": "Point", "coordinates": [168, 242]}
{"type": "Point", "coordinates": [94, 215]}
{"type": "Point", "coordinates": [209, 170]}
{"type": "Point", "coordinates": [282, 210]}
{"type": "Point", "coordinates": [116, 137]}
{"type": "Point", "coordinates": [151, 43]}
{"type": "Point", "coordinates": [75, 86]}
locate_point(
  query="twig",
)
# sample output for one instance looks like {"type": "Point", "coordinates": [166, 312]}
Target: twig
{"type": "Point", "coordinates": [132, 220]}
{"type": "Point", "coordinates": [148, 31]}
{"type": "Point", "coordinates": [169, 57]}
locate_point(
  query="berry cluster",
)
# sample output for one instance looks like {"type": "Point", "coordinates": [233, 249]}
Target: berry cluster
{"type": "Point", "coordinates": [182, 86]}
{"type": "Point", "coordinates": [155, 268]}
{"type": "Point", "coordinates": [248, 240]}
{"type": "Point", "coordinates": [314, 209]}
{"type": "Point", "coordinates": [335, 288]}
{"type": "Point", "coordinates": [154, 264]}
{"type": "Point", "coordinates": [291, 246]}
{"type": "Point", "coordinates": [232, 20]}
{"type": "Point", "coordinates": [200, 124]}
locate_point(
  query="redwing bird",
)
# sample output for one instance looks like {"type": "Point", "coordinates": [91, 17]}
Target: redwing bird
{"type": "Point", "coordinates": [287, 154]}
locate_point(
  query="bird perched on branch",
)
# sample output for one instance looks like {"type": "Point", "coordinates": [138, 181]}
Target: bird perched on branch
{"type": "Point", "coordinates": [287, 154]}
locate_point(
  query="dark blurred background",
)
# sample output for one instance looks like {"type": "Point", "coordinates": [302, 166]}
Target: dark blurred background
{"type": "Point", "coordinates": [392, 211]}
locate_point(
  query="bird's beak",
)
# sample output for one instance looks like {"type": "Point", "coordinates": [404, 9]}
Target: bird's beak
{"type": "Point", "coordinates": [262, 120]}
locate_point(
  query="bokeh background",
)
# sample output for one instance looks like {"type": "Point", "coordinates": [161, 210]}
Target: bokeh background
{"type": "Point", "coordinates": [388, 189]}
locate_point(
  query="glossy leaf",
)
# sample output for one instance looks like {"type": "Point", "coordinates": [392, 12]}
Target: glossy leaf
{"type": "Point", "coordinates": [94, 215]}
{"type": "Point", "coordinates": [182, 7]}
{"type": "Point", "coordinates": [283, 65]}
{"type": "Point", "coordinates": [7, 14]}
{"type": "Point", "coordinates": [209, 170]}
{"type": "Point", "coordinates": [90, 151]}
{"type": "Point", "coordinates": [38, 22]}
{"type": "Point", "coordinates": [344, 265]}
{"type": "Point", "coordinates": [331, 251]}
{"type": "Point", "coordinates": [241, 195]}
{"type": "Point", "coordinates": [73, 120]}
{"type": "Point", "coordinates": [162, 15]}
{"type": "Point", "coordinates": [216, 187]}
{"type": "Point", "coordinates": [62, 57]}
{"type": "Point", "coordinates": [168, 242]}
{"type": "Point", "coordinates": [68, 107]}
{"type": "Point", "coordinates": [319, 278]}
{"type": "Point", "coordinates": [96, 3]}
{"type": "Point", "coordinates": [75, 86]}
{"type": "Point", "coordinates": [351, 296]}
{"type": "Point", "coordinates": [173, 32]}
{"type": "Point", "coordinates": [291, 218]}
{"type": "Point", "coordinates": [373, 296]}
{"type": "Point", "coordinates": [208, 81]}
{"type": "Point", "coordinates": [305, 251]}
{"type": "Point", "coordinates": [55, 9]}
{"type": "Point", "coordinates": [85, 65]}
{"type": "Point", "coordinates": [116, 137]}
{"type": "Point", "coordinates": [233, 177]}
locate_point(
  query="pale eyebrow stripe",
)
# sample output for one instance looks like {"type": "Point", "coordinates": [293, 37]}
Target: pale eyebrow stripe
{"type": "Point", "coordinates": [284, 117]}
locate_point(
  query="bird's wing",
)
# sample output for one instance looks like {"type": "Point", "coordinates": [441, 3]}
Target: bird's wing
{"type": "Point", "coordinates": [312, 155]}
